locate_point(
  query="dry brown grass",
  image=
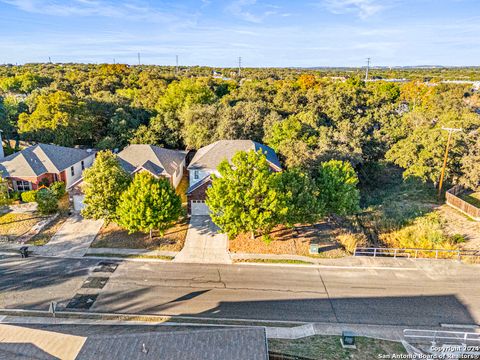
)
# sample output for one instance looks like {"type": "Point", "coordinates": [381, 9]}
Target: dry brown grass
{"type": "Point", "coordinates": [113, 236]}
{"type": "Point", "coordinates": [294, 241]}
{"type": "Point", "coordinates": [14, 225]}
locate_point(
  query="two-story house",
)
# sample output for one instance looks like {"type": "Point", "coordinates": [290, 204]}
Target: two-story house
{"type": "Point", "coordinates": [206, 161]}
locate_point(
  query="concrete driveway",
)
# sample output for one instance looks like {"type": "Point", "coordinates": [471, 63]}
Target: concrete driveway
{"type": "Point", "coordinates": [73, 239]}
{"type": "Point", "coordinates": [204, 244]}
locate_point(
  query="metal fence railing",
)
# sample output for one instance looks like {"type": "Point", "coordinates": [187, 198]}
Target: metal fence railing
{"type": "Point", "coordinates": [437, 337]}
{"type": "Point", "coordinates": [415, 253]}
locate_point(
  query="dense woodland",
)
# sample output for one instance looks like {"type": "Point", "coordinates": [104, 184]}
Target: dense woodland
{"type": "Point", "coordinates": [307, 116]}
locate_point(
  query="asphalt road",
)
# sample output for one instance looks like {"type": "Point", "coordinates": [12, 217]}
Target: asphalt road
{"type": "Point", "coordinates": [425, 294]}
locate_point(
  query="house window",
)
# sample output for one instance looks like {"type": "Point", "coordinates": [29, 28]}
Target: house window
{"type": "Point", "coordinates": [23, 185]}
{"type": "Point", "coordinates": [72, 171]}
{"type": "Point", "coordinates": [195, 174]}
{"type": "Point", "coordinates": [83, 165]}
{"type": "Point", "coordinates": [55, 177]}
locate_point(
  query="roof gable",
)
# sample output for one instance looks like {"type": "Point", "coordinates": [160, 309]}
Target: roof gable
{"type": "Point", "coordinates": [40, 159]}
{"type": "Point", "coordinates": [210, 156]}
{"type": "Point", "coordinates": [157, 160]}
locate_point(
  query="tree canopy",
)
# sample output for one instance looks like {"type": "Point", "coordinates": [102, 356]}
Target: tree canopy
{"type": "Point", "coordinates": [148, 204]}
{"type": "Point", "coordinates": [104, 183]}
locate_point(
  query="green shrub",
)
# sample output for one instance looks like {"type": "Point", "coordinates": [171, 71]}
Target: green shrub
{"type": "Point", "coordinates": [44, 182]}
{"type": "Point", "coordinates": [28, 196]}
{"type": "Point", "coordinates": [58, 188]}
{"type": "Point", "coordinates": [47, 201]}
{"type": "Point", "coordinates": [14, 195]}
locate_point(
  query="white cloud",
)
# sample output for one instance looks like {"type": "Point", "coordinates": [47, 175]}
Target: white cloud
{"type": "Point", "coordinates": [251, 11]}
{"type": "Point", "coordinates": [133, 10]}
{"type": "Point", "coordinates": [362, 8]}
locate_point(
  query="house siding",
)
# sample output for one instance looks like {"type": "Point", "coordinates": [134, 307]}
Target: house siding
{"type": "Point", "coordinates": [67, 174]}
{"type": "Point", "coordinates": [177, 177]}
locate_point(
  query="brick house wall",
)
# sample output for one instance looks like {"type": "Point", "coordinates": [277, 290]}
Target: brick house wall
{"type": "Point", "coordinates": [197, 194]}
{"type": "Point", "coordinates": [34, 180]}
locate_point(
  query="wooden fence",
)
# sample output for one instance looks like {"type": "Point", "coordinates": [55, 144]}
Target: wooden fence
{"type": "Point", "coordinates": [456, 202]}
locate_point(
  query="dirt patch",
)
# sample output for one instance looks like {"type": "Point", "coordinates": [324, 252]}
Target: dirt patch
{"type": "Point", "coordinates": [113, 236]}
{"type": "Point", "coordinates": [294, 241]}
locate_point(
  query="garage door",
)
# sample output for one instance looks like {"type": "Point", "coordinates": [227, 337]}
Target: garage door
{"type": "Point", "coordinates": [199, 207]}
{"type": "Point", "coordinates": [78, 202]}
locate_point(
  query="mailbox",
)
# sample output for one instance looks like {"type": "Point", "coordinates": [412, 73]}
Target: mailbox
{"type": "Point", "coordinates": [348, 340]}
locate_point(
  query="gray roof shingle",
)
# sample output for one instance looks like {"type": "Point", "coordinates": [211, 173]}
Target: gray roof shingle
{"type": "Point", "coordinates": [40, 159]}
{"type": "Point", "coordinates": [223, 344]}
{"type": "Point", "coordinates": [102, 342]}
{"type": "Point", "coordinates": [210, 156]}
{"type": "Point", "coordinates": [155, 159]}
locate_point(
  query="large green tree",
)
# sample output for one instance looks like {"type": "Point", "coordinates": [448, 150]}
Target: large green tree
{"type": "Point", "coordinates": [337, 186]}
{"type": "Point", "coordinates": [105, 181]}
{"type": "Point", "coordinates": [148, 204]}
{"type": "Point", "coordinates": [301, 198]}
{"type": "Point", "coordinates": [245, 197]}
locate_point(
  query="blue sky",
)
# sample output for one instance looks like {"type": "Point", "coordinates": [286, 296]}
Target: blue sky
{"type": "Point", "coordinates": [263, 32]}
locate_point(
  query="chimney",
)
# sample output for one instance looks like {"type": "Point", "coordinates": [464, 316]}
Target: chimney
{"type": "Point", "coordinates": [2, 155]}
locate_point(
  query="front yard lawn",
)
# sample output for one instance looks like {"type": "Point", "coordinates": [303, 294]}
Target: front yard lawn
{"type": "Point", "coordinates": [329, 348]}
{"type": "Point", "coordinates": [113, 236]}
{"type": "Point", "coordinates": [13, 225]}
{"type": "Point", "coordinates": [294, 241]}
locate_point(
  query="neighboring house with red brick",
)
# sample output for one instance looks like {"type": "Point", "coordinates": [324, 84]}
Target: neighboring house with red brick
{"type": "Point", "coordinates": [206, 161]}
{"type": "Point", "coordinates": [159, 162]}
{"type": "Point", "coordinates": [44, 163]}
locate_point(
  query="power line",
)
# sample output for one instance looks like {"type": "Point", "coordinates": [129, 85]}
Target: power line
{"type": "Point", "coordinates": [450, 132]}
{"type": "Point", "coordinates": [368, 66]}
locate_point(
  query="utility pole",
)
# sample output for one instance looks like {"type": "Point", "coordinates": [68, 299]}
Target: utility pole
{"type": "Point", "coordinates": [239, 66]}
{"type": "Point", "coordinates": [450, 132]}
{"type": "Point", "coordinates": [138, 54]}
{"type": "Point", "coordinates": [368, 66]}
{"type": "Point", "coordinates": [176, 65]}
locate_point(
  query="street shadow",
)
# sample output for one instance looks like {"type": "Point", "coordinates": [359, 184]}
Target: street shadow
{"type": "Point", "coordinates": [388, 310]}
{"type": "Point", "coordinates": [18, 274]}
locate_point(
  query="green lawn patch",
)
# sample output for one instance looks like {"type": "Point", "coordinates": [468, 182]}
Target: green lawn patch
{"type": "Point", "coordinates": [329, 348]}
